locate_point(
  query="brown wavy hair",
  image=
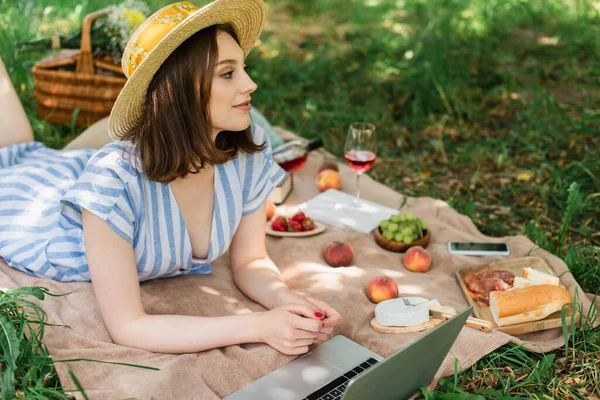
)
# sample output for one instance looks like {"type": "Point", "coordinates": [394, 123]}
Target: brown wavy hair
{"type": "Point", "coordinates": [174, 137]}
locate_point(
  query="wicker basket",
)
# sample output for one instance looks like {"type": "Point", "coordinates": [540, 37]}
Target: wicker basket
{"type": "Point", "coordinates": [400, 247]}
{"type": "Point", "coordinates": [92, 87]}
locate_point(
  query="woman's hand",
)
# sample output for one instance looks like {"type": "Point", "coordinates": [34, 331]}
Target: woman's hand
{"type": "Point", "coordinates": [291, 328]}
{"type": "Point", "coordinates": [329, 316]}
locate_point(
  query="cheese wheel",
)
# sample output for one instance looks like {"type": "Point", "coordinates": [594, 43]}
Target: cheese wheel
{"type": "Point", "coordinates": [530, 303]}
{"type": "Point", "coordinates": [395, 312]}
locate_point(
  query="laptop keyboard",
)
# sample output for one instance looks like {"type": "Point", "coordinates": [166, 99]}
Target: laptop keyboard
{"type": "Point", "coordinates": [335, 389]}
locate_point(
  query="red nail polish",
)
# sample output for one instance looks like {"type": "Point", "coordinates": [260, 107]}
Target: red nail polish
{"type": "Point", "coordinates": [318, 315]}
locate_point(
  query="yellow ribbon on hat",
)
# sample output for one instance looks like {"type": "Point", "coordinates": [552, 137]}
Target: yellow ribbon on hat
{"type": "Point", "coordinates": [157, 28]}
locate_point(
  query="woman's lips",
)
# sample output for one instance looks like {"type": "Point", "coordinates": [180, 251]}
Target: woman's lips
{"type": "Point", "coordinates": [244, 106]}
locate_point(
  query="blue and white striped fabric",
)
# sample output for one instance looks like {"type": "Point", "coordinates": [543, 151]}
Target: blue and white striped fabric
{"type": "Point", "coordinates": [42, 192]}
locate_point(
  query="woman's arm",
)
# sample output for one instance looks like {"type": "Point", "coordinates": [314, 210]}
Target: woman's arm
{"type": "Point", "coordinates": [253, 271]}
{"type": "Point", "coordinates": [14, 126]}
{"type": "Point", "coordinates": [117, 289]}
{"type": "Point", "coordinates": [258, 277]}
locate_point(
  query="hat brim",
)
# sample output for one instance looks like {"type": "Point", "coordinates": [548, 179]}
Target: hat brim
{"type": "Point", "coordinates": [245, 16]}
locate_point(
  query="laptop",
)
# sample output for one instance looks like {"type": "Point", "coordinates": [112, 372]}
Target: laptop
{"type": "Point", "coordinates": [342, 369]}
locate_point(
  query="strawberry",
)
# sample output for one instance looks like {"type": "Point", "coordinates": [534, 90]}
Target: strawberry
{"type": "Point", "coordinates": [308, 224]}
{"type": "Point", "coordinates": [294, 226]}
{"type": "Point", "coordinates": [299, 217]}
{"type": "Point", "coordinates": [279, 224]}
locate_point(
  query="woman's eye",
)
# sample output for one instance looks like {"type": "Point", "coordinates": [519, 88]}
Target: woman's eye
{"type": "Point", "coordinates": [228, 75]}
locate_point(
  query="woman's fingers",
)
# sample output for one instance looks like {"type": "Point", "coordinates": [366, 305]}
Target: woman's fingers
{"type": "Point", "coordinates": [303, 317]}
{"type": "Point", "coordinates": [304, 310]}
{"type": "Point", "coordinates": [306, 324]}
{"type": "Point", "coordinates": [327, 330]}
{"type": "Point", "coordinates": [294, 351]}
{"type": "Point", "coordinates": [300, 342]}
{"type": "Point", "coordinates": [298, 346]}
{"type": "Point", "coordinates": [332, 317]}
{"type": "Point", "coordinates": [296, 333]}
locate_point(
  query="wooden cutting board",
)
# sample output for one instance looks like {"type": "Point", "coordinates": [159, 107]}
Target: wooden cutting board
{"type": "Point", "coordinates": [515, 266]}
{"type": "Point", "coordinates": [432, 323]}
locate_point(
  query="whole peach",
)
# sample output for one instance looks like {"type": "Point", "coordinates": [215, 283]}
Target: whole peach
{"type": "Point", "coordinates": [382, 288]}
{"type": "Point", "coordinates": [329, 179]}
{"type": "Point", "coordinates": [270, 210]}
{"type": "Point", "coordinates": [328, 165]}
{"type": "Point", "coordinates": [417, 259]}
{"type": "Point", "coordinates": [338, 254]}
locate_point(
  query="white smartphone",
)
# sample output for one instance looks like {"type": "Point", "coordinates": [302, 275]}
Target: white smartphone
{"type": "Point", "coordinates": [478, 249]}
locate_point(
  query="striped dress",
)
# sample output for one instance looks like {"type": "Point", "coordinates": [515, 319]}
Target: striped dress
{"type": "Point", "coordinates": [42, 192]}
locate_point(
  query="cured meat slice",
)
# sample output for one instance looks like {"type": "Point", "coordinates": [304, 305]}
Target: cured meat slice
{"type": "Point", "coordinates": [486, 280]}
{"type": "Point", "coordinates": [496, 284]}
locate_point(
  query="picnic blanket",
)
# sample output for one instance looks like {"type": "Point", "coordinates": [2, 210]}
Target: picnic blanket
{"type": "Point", "coordinates": [216, 373]}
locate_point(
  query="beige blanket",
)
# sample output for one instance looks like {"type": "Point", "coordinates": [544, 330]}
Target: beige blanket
{"type": "Point", "coordinates": [217, 373]}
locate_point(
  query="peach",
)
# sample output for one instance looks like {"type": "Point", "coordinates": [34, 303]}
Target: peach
{"type": "Point", "coordinates": [338, 254]}
{"type": "Point", "coordinates": [417, 259]}
{"type": "Point", "coordinates": [329, 179]}
{"type": "Point", "coordinates": [382, 288]}
{"type": "Point", "coordinates": [328, 165]}
{"type": "Point", "coordinates": [270, 210]}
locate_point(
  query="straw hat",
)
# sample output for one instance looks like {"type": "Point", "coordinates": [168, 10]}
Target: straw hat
{"type": "Point", "coordinates": [159, 35]}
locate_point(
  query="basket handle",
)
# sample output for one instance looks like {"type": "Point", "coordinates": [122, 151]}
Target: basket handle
{"type": "Point", "coordinates": [85, 64]}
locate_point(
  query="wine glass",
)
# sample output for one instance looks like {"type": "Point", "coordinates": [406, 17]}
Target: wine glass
{"type": "Point", "coordinates": [359, 151]}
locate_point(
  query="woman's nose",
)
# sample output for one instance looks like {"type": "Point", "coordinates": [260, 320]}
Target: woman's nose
{"type": "Point", "coordinates": [249, 85]}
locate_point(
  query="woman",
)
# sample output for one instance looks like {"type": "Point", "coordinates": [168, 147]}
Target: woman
{"type": "Point", "coordinates": [186, 180]}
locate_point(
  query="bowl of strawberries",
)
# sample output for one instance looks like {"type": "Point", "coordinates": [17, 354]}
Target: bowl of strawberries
{"type": "Point", "coordinates": [296, 225]}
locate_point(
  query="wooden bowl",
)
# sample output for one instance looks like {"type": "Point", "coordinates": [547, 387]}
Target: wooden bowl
{"type": "Point", "coordinates": [400, 247]}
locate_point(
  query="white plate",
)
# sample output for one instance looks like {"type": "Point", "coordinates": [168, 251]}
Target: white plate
{"type": "Point", "coordinates": [319, 228]}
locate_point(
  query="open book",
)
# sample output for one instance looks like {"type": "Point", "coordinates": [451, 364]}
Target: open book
{"type": "Point", "coordinates": [336, 208]}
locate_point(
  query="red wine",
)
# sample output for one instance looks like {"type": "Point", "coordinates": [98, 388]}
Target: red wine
{"type": "Point", "coordinates": [295, 163]}
{"type": "Point", "coordinates": [360, 160]}
{"type": "Point", "coordinates": [292, 156]}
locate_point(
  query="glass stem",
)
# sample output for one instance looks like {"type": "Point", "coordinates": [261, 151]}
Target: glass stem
{"type": "Point", "coordinates": [357, 187]}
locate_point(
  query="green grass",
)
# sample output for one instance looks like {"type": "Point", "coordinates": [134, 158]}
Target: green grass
{"type": "Point", "coordinates": [492, 106]}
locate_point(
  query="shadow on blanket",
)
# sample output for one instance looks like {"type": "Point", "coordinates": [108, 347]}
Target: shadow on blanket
{"type": "Point", "coordinates": [216, 373]}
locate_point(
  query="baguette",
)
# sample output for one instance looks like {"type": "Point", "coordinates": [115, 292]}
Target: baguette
{"type": "Point", "coordinates": [528, 304]}
{"type": "Point", "coordinates": [540, 277]}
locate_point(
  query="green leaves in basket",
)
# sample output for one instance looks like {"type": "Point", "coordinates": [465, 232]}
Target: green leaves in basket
{"type": "Point", "coordinates": [109, 33]}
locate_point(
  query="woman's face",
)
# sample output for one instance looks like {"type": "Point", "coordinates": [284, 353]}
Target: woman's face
{"type": "Point", "coordinates": [231, 88]}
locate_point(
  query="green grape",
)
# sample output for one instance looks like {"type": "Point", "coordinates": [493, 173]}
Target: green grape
{"type": "Point", "coordinates": [424, 225]}
{"type": "Point", "coordinates": [384, 224]}
{"type": "Point", "coordinates": [388, 235]}
{"type": "Point", "coordinates": [398, 237]}
{"type": "Point", "coordinates": [410, 216]}
{"type": "Point", "coordinates": [402, 217]}
{"type": "Point", "coordinates": [407, 231]}
{"type": "Point", "coordinates": [407, 240]}
{"type": "Point", "coordinates": [395, 218]}
{"type": "Point", "coordinates": [392, 227]}
{"type": "Point", "coordinates": [414, 227]}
